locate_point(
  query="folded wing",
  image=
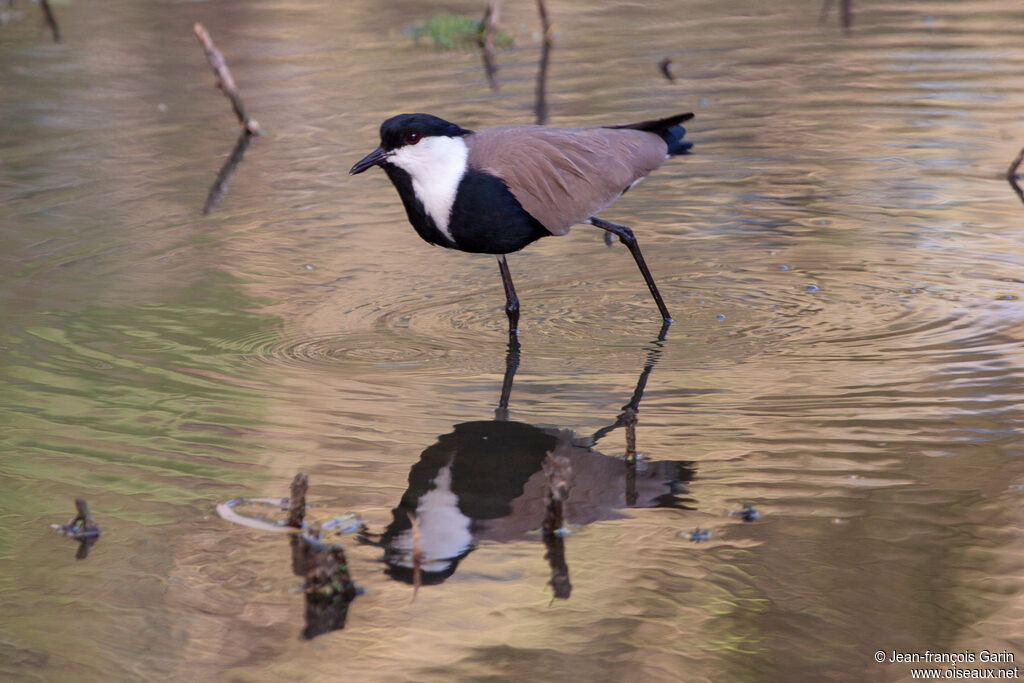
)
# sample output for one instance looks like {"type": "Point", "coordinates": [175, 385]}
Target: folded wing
{"type": "Point", "coordinates": [563, 176]}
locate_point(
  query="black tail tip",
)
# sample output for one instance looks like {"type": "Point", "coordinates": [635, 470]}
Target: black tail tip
{"type": "Point", "coordinates": [673, 138]}
{"type": "Point", "coordinates": [681, 147]}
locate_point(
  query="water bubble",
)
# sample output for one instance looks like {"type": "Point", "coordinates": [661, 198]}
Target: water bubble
{"type": "Point", "coordinates": [812, 288]}
{"type": "Point", "coordinates": [720, 316]}
{"type": "Point", "coordinates": [783, 267]}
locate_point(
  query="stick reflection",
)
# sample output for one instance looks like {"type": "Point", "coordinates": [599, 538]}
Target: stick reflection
{"type": "Point", "coordinates": [220, 185]}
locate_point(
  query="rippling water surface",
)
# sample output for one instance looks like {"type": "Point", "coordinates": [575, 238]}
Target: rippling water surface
{"type": "Point", "coordinates": [842, 255]}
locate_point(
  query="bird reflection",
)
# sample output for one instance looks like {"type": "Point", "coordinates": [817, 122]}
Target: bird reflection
{"type": "Point", "coordinates": [501, 480]}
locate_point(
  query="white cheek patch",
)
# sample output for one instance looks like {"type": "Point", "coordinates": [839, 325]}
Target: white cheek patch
{"type": "Point", "coordinates": [436, 165]}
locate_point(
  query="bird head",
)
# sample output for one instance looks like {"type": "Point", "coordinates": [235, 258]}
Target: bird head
{"type": "Point", "coordinates": [417, 143]}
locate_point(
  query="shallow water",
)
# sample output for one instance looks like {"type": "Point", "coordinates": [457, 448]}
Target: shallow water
{"type": "Point", "coordinates": [842, 256]}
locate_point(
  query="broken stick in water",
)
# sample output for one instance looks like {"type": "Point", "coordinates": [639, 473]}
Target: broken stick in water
{"type": "Point", "coordinates": [224, 79]}
{"type": "Point", "coordinates": [81, 525]}
{"type": "Point", "coordinates": [323, 567]}
{"type": "Point", "coordinates": [327, 584]}
{"type": "Point", "coordinates": [297, 501]}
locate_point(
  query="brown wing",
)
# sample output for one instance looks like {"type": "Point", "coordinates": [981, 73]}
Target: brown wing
{"type": "Point", "coordinates": [563, 176]}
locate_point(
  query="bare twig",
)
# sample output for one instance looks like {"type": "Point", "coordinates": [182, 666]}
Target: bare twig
{"type": "Point", "coordinates": [489, 29]}
{"type": "Point", "coordinates": [51, 19]}
{"type": "Point", "coordinates": [541, 107]}
{"type": "Point", "coordinates": [224, 80]}
{"type": "Point", "coordinates": [1011, 175]}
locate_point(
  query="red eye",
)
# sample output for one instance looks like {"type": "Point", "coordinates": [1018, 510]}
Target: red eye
{"type": "Point", "coordinates": [412, 138]}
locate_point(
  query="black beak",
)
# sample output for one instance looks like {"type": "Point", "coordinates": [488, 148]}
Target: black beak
{"type": "Point", "coordinates": [374, 158]}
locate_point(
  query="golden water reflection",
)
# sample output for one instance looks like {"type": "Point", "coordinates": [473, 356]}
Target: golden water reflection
{"type": "Point", "coordinates": [842, 252]}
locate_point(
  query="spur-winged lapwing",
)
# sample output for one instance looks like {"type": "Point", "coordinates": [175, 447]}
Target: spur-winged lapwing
{"type": "Point", "coordinates": [495, 190]}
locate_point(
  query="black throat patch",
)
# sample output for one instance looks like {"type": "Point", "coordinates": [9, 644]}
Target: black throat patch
{"type": "Point", "coordinates": [414, 209]}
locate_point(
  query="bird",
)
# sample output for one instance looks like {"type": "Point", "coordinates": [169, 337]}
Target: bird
{"type": "Point", "coordinates": [498, 189]}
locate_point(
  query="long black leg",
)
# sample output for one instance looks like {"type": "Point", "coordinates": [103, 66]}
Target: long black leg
{"type": "Point", "coordinates": [511, 300]}
{"type": "Point", "coordinates": [627, 237]}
